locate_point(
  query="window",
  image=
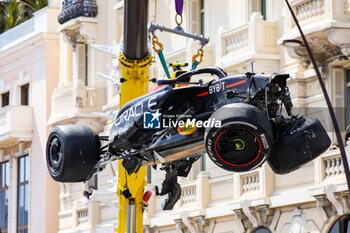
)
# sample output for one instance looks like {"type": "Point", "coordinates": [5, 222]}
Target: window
{"type": "Point", "coordinates": [348, 96]}
{"type": "Point", "coordinates": [93, 182]}
{"type": "Point", "coordinates": [23, 194]}
{"type": "Point", "coordinates": [5, 99]}
{"type": "Point", "coordinates": [342, 225]}
{"type": "Point", "coordinates": [257, 6]}
{"type": "Point", "coordinates": [202, 17]}
{"type": "Point", "coordinates": [262, 230]}
{"type": "Point", "coordinates": [340, 85]}
{"type": "Point", "coordinates": [203, 160]}
{"type": "Point", "coordinates": [25, 94]}
{"type": "Point", "coordinates": [4, 195]}
{"type": "Point", "coordinates": [82, 51]}
{"type": "Point", "coordinates": [197, 16]}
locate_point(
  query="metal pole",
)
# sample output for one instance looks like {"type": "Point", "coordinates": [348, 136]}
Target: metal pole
{"type": "Point", "coordinates": [135, 29]}
{"type": "Point", "coordinates": [128, 218]}
{"type": "Point", "coordinates": [178, 30]}
{"type": "Point", "coordinates": [133, 211]}
{"type": "Point", "coordinates": [329, 104]}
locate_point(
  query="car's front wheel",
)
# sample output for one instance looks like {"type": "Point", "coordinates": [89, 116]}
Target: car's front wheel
{"type": "Point", "coordinates": [71, 153]}
{"type": "Point", "coordinates": [244, 139]}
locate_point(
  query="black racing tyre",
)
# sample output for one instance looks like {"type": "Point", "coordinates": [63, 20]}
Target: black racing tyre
{"type": "Point", "coordinates": [299, 146]}
{"type": "Point", "coordinates": [71, 153]}
{"type": "Point", "coordinates": [243, 141]}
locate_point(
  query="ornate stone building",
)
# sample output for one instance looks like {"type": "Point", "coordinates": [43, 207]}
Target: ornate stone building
{"type": "Point", "coordinates": [310, 199]}
{"type": "Point", "coordinates": [28, 74]}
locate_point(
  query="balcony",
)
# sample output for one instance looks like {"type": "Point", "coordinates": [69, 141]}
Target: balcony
{"type": "Point", "coordinates": [253, 41]}
{"type": "Point", "coordinates": [42, 22]}
{"type": "Point", "coordinates": [254, 184]}
{"type": "Point", "coordinates": [329, 168]}
{"type": "Point", "coordinates": [82, 218]}
{"type": "Point", "coordinates": [81, 29]}
{"type": "Point", "coordinates": [325, 24]}
{"type": "Point", "coordinates": [317, 15]}
{"type": "Point", "coordinates": [71, 103]}
{"type": "Point", "coordinates": [16, 124]}
{"type": "Point", "coordinates": [195, 194]}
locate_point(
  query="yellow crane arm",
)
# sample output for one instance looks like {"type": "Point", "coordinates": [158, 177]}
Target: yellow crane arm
{"type": "Point", "coordinates": [130, 216]}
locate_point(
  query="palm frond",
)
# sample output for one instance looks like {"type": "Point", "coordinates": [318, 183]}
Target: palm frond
{"type": "Point", "coordinates": [13, 13]}
{"type": "Point", "coordinates": [35, 4]}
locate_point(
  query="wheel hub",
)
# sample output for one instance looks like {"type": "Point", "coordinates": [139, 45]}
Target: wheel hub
{"type": "Point", "coordinates": [55, 154]}
{"type": "Point", "coordinates": [238, 146]}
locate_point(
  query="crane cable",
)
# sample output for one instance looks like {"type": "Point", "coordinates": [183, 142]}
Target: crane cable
{"type": "Point", "coordinates": [159, 51]}
{"type": "Point", "coordinates": [326, 96]}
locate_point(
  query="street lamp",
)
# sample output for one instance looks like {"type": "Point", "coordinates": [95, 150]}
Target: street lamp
{"type": "Point", "coordinates": [292, 43]}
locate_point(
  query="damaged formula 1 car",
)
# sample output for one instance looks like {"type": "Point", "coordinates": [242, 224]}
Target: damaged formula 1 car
{"type": "Point", "coordinates": [244, 128]}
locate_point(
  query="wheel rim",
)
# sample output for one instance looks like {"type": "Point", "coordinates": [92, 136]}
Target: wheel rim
{"type": "Point", "coordinates": [238, 146]}
{"type": "Point", "coordinates": [54, 154]}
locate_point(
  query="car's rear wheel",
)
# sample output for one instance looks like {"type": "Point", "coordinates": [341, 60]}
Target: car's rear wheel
{"type": "Point", "coordinates": [244, 139]}
{"type": "Point", "coordinates": [71, 153]}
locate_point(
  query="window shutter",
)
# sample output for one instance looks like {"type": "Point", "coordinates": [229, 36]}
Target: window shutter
{"type": "Point", "coordinates": [195, 16]}
{"type": "Point", "coordinates": [81, 62]}
{"type": "Point", "coordinates": [338, 84]}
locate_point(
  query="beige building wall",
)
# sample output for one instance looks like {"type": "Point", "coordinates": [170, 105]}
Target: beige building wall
{"type": "Point", "coordinates": [29, 55]}
{"type": "Point", "coordinates": [310, 199]}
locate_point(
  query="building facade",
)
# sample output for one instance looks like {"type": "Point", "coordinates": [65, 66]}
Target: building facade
{"type": "Point", "coordinates": [28, 74]}
{"type": "Point", "coordinates": [311, 199]}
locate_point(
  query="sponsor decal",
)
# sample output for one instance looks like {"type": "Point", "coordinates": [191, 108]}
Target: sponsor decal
{"type": "Point", "coordinates": [186, 130]}
{"type": "Point", "coordinates": [185, 126]}
{"type": "Point", "coordinates": [152, 120]}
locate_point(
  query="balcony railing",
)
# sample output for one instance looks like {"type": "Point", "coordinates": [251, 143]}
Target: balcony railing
{"type": "Point", "coordinates": [235, 40]}
{"type": "Point", "coordinates": [250, 183]}
{"type": "Point", "coordinates": [309, 9]}
{"type": "Point", "coordinates": [254, 184]}
{"type": "Point", "coordinates": [195, 194]}
{"type": "Point", "coordinates": [333, 167]}
{"type": "Point", "coordinates": [329, 168]}
{"type": "Point", "coordinates": [16, 124]}
{"type": "Point", "coordinates": [238, 45]}
{"type": "Point", "coordinates": [317, 12]}
{"type": "Point", "coordinates": [83, 217]}
{"type": "Point", "coordinates": [189, 196]}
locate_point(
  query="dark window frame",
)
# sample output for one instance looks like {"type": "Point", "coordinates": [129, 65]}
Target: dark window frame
{"type": "Point", "coordinates": [202, 17]}
{"type": "Point", "coordinates": [5, 95]}
{"type": "Point", "coordinates": [25, 94]}
{"type": "Point", "coordinates": [262, 11]}
{"type": "Point", "coordinates": [25, 183]}
{"type": "Point", "coordinates": [4, 188]}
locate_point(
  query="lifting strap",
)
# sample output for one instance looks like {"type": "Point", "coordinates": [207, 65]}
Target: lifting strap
{"type": "Point", "coordinates": [160, 54]}
{"type": "Point", "coordinates": [195, 63]}
{"type": "Point", "coordinates": [178, 7]}
{"type": "Point", "coordinates": [159, 51]}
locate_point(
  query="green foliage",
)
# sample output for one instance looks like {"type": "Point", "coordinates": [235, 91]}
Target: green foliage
{"type": "Point", "coordinates": [12, 14]}
{"type": "Point", "coordinates": [2, 25]}
{"type": "Point", "coordinates": [15, 12]}
{"type": "Point", "coordinates": [35, 5]}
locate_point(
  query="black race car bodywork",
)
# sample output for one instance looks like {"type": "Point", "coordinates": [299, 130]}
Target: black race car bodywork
{"type": "Point", "coordinates": [243, 120]}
